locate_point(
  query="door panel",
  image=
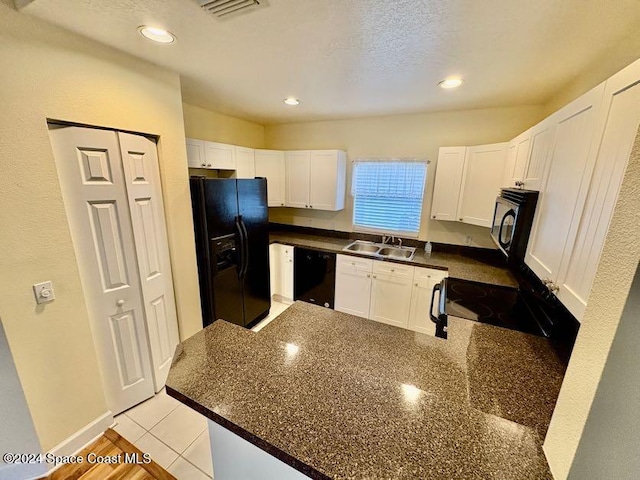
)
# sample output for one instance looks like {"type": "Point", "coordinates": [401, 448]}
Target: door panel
{"type": "Point", "coordinates": [142, 176]}
{"type": "Point", "coordinates": [423, 283]}
{"type": "Point", "coordinates": [353, 291]}
{"type": "Point", "coordinates": [298, 173]}
{"type": "Point", "coordinates": [252, 207]}
{"type": "Point", "coordinates": [323, 180]}
{"type": "Point", "coordinates": [566, 184]}
{"type": "Point", "coordinates": [390, 299]}
{"type": "Point", "coordinates": [481, 184]}
{"type": "Point", "coordinates": [91, 177]}
{"type": "Point", "coordinates": [448, 182]}
{"type": "Point", "coordinates": [270, 164]}
{"type": "Point", "coordinates": [619, 124]}
{"type": "Point", "coordinates": [542, 136]}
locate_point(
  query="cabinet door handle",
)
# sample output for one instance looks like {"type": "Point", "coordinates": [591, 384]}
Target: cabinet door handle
{"type": "Point", "coordinates": [310, 206]}
{"type": "Point", "coordinates": [368, 275]}
{"type": "Point", "coordinates": [203, 164]}
{"type": "Point", "coordinates": [375, 276]}
{"type": "Point", "coordinates": [461, 219]}
{"type": "Point", "coordinates": [415, 284]}
{"type": "Point", "coordinates": [393, 270]}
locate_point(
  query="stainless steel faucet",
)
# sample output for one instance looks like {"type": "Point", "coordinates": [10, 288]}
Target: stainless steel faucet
{"type": "Point", "coordinates": [386, 238]}
{"type": "Point", "coordinates": [399, 242]}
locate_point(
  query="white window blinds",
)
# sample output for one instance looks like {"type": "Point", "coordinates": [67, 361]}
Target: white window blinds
{"type": "Point", "coordinates": [387, 196]}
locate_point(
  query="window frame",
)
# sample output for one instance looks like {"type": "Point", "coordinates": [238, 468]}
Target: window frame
{"type": "Point", "coordinates": [382, 231]}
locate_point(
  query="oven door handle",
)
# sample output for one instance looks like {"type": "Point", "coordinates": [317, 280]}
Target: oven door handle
{"type": "Point", "coordinates": [436, 288]}
{"type": "Point", "coordinates": [510, 213]}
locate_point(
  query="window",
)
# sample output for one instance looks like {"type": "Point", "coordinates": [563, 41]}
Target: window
{"type": "Point", "coordinates": [387, 196]}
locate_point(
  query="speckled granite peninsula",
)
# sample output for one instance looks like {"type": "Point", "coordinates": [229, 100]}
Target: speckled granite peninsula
{"type": "Point", "coordinates": [337, 396]}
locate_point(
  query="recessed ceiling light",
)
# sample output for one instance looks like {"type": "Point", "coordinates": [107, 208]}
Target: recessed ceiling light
{"type": "Point", "coordinates": [292, 101]}
{"type": "Point", "coordinates": [156, 34]}
{"type": "Point", "coordinates": [453, 82]}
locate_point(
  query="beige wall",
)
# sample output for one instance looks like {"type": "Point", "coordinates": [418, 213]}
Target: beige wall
{"type": "Point", "coordinates": [604, 67]}
{"type": "Point", "coordinates": [216, 127]}
{"type": "Point", "coordinates": [417, 135]}
{"type": "Point", "coordinates": [618, 265]}
{"type": "Point", "coordinates": [49, 73]}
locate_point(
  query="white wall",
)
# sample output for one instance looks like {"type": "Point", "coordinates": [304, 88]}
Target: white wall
{"type": "Point", "coordinates": [609, 444]}
{"type": "Point", "coordinates": [416, 135]}
{"type": "Point", "coordinates": [48, 72]}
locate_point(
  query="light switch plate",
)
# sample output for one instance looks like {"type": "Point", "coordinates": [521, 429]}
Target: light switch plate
{"type": "Point", "coordinates": [44, 292]}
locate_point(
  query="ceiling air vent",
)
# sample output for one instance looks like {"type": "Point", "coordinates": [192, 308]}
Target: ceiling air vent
{"type": "Point", "coordinates": [226, 8]}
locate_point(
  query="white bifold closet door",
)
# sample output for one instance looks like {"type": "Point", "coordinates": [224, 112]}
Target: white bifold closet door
{"type": "Point", "coordinates": [111, 187]}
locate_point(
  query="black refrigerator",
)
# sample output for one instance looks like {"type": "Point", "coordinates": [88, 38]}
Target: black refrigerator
{"type": "Point", "coordinates": [232, 246]}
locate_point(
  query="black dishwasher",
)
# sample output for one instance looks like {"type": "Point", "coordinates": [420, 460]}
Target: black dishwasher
{"type": "Point", "coordinates": [314, 276]}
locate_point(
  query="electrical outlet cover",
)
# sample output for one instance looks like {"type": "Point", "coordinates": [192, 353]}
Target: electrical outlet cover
{"type": "Point", "coordinates": [44, 292]}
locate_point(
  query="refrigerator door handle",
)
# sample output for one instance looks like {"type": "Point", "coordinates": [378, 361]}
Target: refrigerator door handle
{"type": "Point", "coordinates": [245, 246]}
{"type": "Point", "coordinates": [240, 250]}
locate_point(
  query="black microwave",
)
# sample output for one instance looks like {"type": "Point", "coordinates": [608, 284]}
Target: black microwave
{"type": "Point", "coordinates": [512, 220]}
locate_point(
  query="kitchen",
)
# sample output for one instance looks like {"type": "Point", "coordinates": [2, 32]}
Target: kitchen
{"type": "Point", "coordinates": [412, 135]}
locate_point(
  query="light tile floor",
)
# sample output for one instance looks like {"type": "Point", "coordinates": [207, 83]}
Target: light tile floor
{"type": "Point", "coordinates": [174, 435]}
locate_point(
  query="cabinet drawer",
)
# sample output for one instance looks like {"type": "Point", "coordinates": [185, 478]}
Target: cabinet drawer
{"type": "Point", "coordinates": [349, 263]}
{"type": "Point", "coordinates": [429, 274]}
{"type": "Point", "coordinates": [394, 269]}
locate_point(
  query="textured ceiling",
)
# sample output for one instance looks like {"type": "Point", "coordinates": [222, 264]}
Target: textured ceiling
{"type": "Point", "coordinates": [348, 58]}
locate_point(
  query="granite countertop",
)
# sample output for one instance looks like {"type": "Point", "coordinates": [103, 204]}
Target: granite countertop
{"type": "Point", "coordinates": [338, 396]}
{"type": "Point", "coordinates": [459, 266]}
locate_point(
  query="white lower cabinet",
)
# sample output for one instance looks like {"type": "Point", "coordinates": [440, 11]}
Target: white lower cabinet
{"type": "Point", "coordinates": [281, 271]}
{"type": "Point", "coordinates": [391, 293]}
{"type": "Point", "coordinates": [424, 279]}
{"type": "Point", "coordinates": [353, 285]}
{"type": "Point", "coordinates": [386, 292]}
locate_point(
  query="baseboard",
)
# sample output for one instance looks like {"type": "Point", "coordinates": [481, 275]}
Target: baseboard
{"type": "Point", "coordinates": [83, 437]}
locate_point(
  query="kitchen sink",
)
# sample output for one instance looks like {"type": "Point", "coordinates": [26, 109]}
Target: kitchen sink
{"type": "Point", "coordinates": [381, 250]}
{"type": "Point", "coordinates": [397, 253]}
{"type": "Point", "coordinates": [363, 247]}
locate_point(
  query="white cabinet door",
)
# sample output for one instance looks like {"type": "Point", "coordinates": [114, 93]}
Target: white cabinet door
{"type": "Point", "coordinates": [287, 273]}
{"type": "Point", "coordinates": [93, 186]}
{"type": "Point", "coordinates": [482, 178]}
{"type": "Point", "coordinates": [142, 178]}
{"type": "Point", "coordinates": [618, 119]}
{"type": "Point", "coordinates": [566, 184]}
{"type": "Point", "coordinates": [245, 162]}
{"type": "Point", "coordinates": [542, 136]}
{"type": "Point", "coordinates": [446, 193]}
{"type": "Point", "coordinates": [220, 156]}
{"type": "Point", "coordinates": [391, 293]}
{"type": "Point", "coordinates": [275, 274]}
{"type": "Point", "coordinates": [424, 279]}
{"type": "Point", "coordinates": [517, 156]}
{"type": "Point", "coordinates": [270, 164]}
{"type": "Point", "coordinates": [353, 285]}
{"type": "Point", "coordinates": [327, 182]}
{"type": "Point", "coordinates": [298, 165]}
{"type": "Point", "coordinates": [195, 153]}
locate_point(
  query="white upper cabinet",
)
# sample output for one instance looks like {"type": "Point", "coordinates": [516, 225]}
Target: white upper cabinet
{"type": "Point", "coordinates": [270, 164]}
{"type": "Point", "coordinates": [316, 179]}
{"type": "Point", "coordinates": [517, 158]}
{"type": "Point", "coordinates": [565, 185]}
{"type": "Point", "coordinates": [541, 143]}
{"type": "Point", "coordinates": [298, 172]}
{"type": "Point", "coordinates": [616, 130]}
{"type": "Point", "coordinates": [446, 192]}
{"type": "Point", "coordinates": [245, 162]}
{"type": "Point", "coordinates": [195, 153]}
{"type": "Point", "coordinates": [481, 181]}
{"type": "Point", "coordinates": [327, 181]}
{"type": "Point", "coordinates": [220, 156]}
